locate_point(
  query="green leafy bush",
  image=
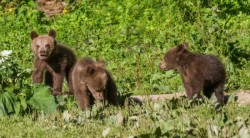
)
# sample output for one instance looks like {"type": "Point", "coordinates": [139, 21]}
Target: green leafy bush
{"type": "Point", "coordinates": [17, 95]}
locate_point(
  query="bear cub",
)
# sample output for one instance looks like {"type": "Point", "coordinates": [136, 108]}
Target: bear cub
{"type": "Point", "coordinates": [55, 60]}
{"type": "Point", "coordinates": [198, 72]}
{"type": "Point", "coordinates": [91, 81]}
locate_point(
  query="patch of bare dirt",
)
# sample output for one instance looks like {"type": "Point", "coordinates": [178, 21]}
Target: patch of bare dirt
{"type": "Point", "coordinates": [241, 97]}
{"type": "Point", "coordinates": [51, 7]}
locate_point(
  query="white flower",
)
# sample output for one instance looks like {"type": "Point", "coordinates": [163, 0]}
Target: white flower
{"type": "Point", "coordinates": [6, 53]}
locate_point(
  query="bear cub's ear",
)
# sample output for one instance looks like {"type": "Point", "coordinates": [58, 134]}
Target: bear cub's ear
{"type": "Point", "coordinates": [52, 33]}
{"type": "Point", "coordinates": [33, 35]}
{"type": "Point", "coordinates": [100, 63]}
{"type": "Point", "coordinates": [182, 47]}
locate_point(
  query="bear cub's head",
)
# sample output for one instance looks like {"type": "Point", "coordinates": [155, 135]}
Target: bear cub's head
{"type": "Point", "coordinates": [172, 57]}
{"type": "Point", "coordinates": [43, 45]}
{"type": "Point", "coordinates": [96, 79]}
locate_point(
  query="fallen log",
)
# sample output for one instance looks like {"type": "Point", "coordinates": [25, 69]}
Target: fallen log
{"type": "Point", "coordinates": [240, 97]}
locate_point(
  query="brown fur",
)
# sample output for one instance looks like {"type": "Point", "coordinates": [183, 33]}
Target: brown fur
{"type": "Point", "coordinates": [56, 60]}
{"type": "Point", "coordinates": [91, 81]}
{"type": "Point", "coordinates": [198, 71]}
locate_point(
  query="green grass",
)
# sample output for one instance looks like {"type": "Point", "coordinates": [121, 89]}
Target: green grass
{"type": "Point", "coordinates": [132, 37]}
{"type": "Point", "coordinates": [174, 118]}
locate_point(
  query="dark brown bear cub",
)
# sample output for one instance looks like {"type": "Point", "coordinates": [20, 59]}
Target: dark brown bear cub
{"type": "Point", "coordinates": [91, 81]}
{"type": "Point", "coordinates": [56, 60]}
{"type": "Point", "coordinates": [198, 72]}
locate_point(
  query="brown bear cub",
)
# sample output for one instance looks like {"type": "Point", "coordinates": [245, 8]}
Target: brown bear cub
{"type": "Point", "coordinates": [55, 60]}
{"type": "Point", "coordinates": [198, 71]}
{"type": "Point", "coordinates": [91, 81]}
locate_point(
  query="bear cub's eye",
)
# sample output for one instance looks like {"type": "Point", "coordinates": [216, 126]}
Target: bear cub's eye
{"type": "Point", "coordinates": [37, 46]}
{"type": "Point", "coordinates": [47, 46]}
{"type": "Point", "coordinates": [100, 90]}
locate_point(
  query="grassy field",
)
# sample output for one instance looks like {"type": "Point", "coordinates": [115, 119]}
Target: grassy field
{"type": "Point", "coordinates": [132, 37]}
{"type": "Point", "coordinates": [173, 118]}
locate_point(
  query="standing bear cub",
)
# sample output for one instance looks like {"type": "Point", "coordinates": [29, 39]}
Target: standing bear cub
{"type": "Point", "coordinates": [91, 81]}
{"type": "Point", "coordinates": [198, 72]}
{"type": "Point", "coordinates": [55, 60]}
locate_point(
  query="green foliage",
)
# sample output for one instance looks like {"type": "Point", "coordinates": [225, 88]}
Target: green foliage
{"type": "Point", "coordinates": [11, 75]}
{"type": "Point", "coordinates": [28, 99]}
{"type": "Point", "coordinates": [16, 94]}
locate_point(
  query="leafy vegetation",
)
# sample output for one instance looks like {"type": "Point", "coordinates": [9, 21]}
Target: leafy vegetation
{"type": "Point", "coordinates": [18, 96]}
{"type": "Point", "coordinates": [173, 118]}
{"type": "Point", "coordinates": [132, 37]}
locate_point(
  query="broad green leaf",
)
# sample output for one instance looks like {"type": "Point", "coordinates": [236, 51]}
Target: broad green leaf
{"type": "Point", "coordinates": [2, 110]}
{"type": "Point", "coordinates": [8, 101]}
{"type": "Point", "coordinates": [23, 103]}
{"type": "Point", "coordinates": [43, 100]}
{"type": "Point", "coordinates": [17, 107]}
